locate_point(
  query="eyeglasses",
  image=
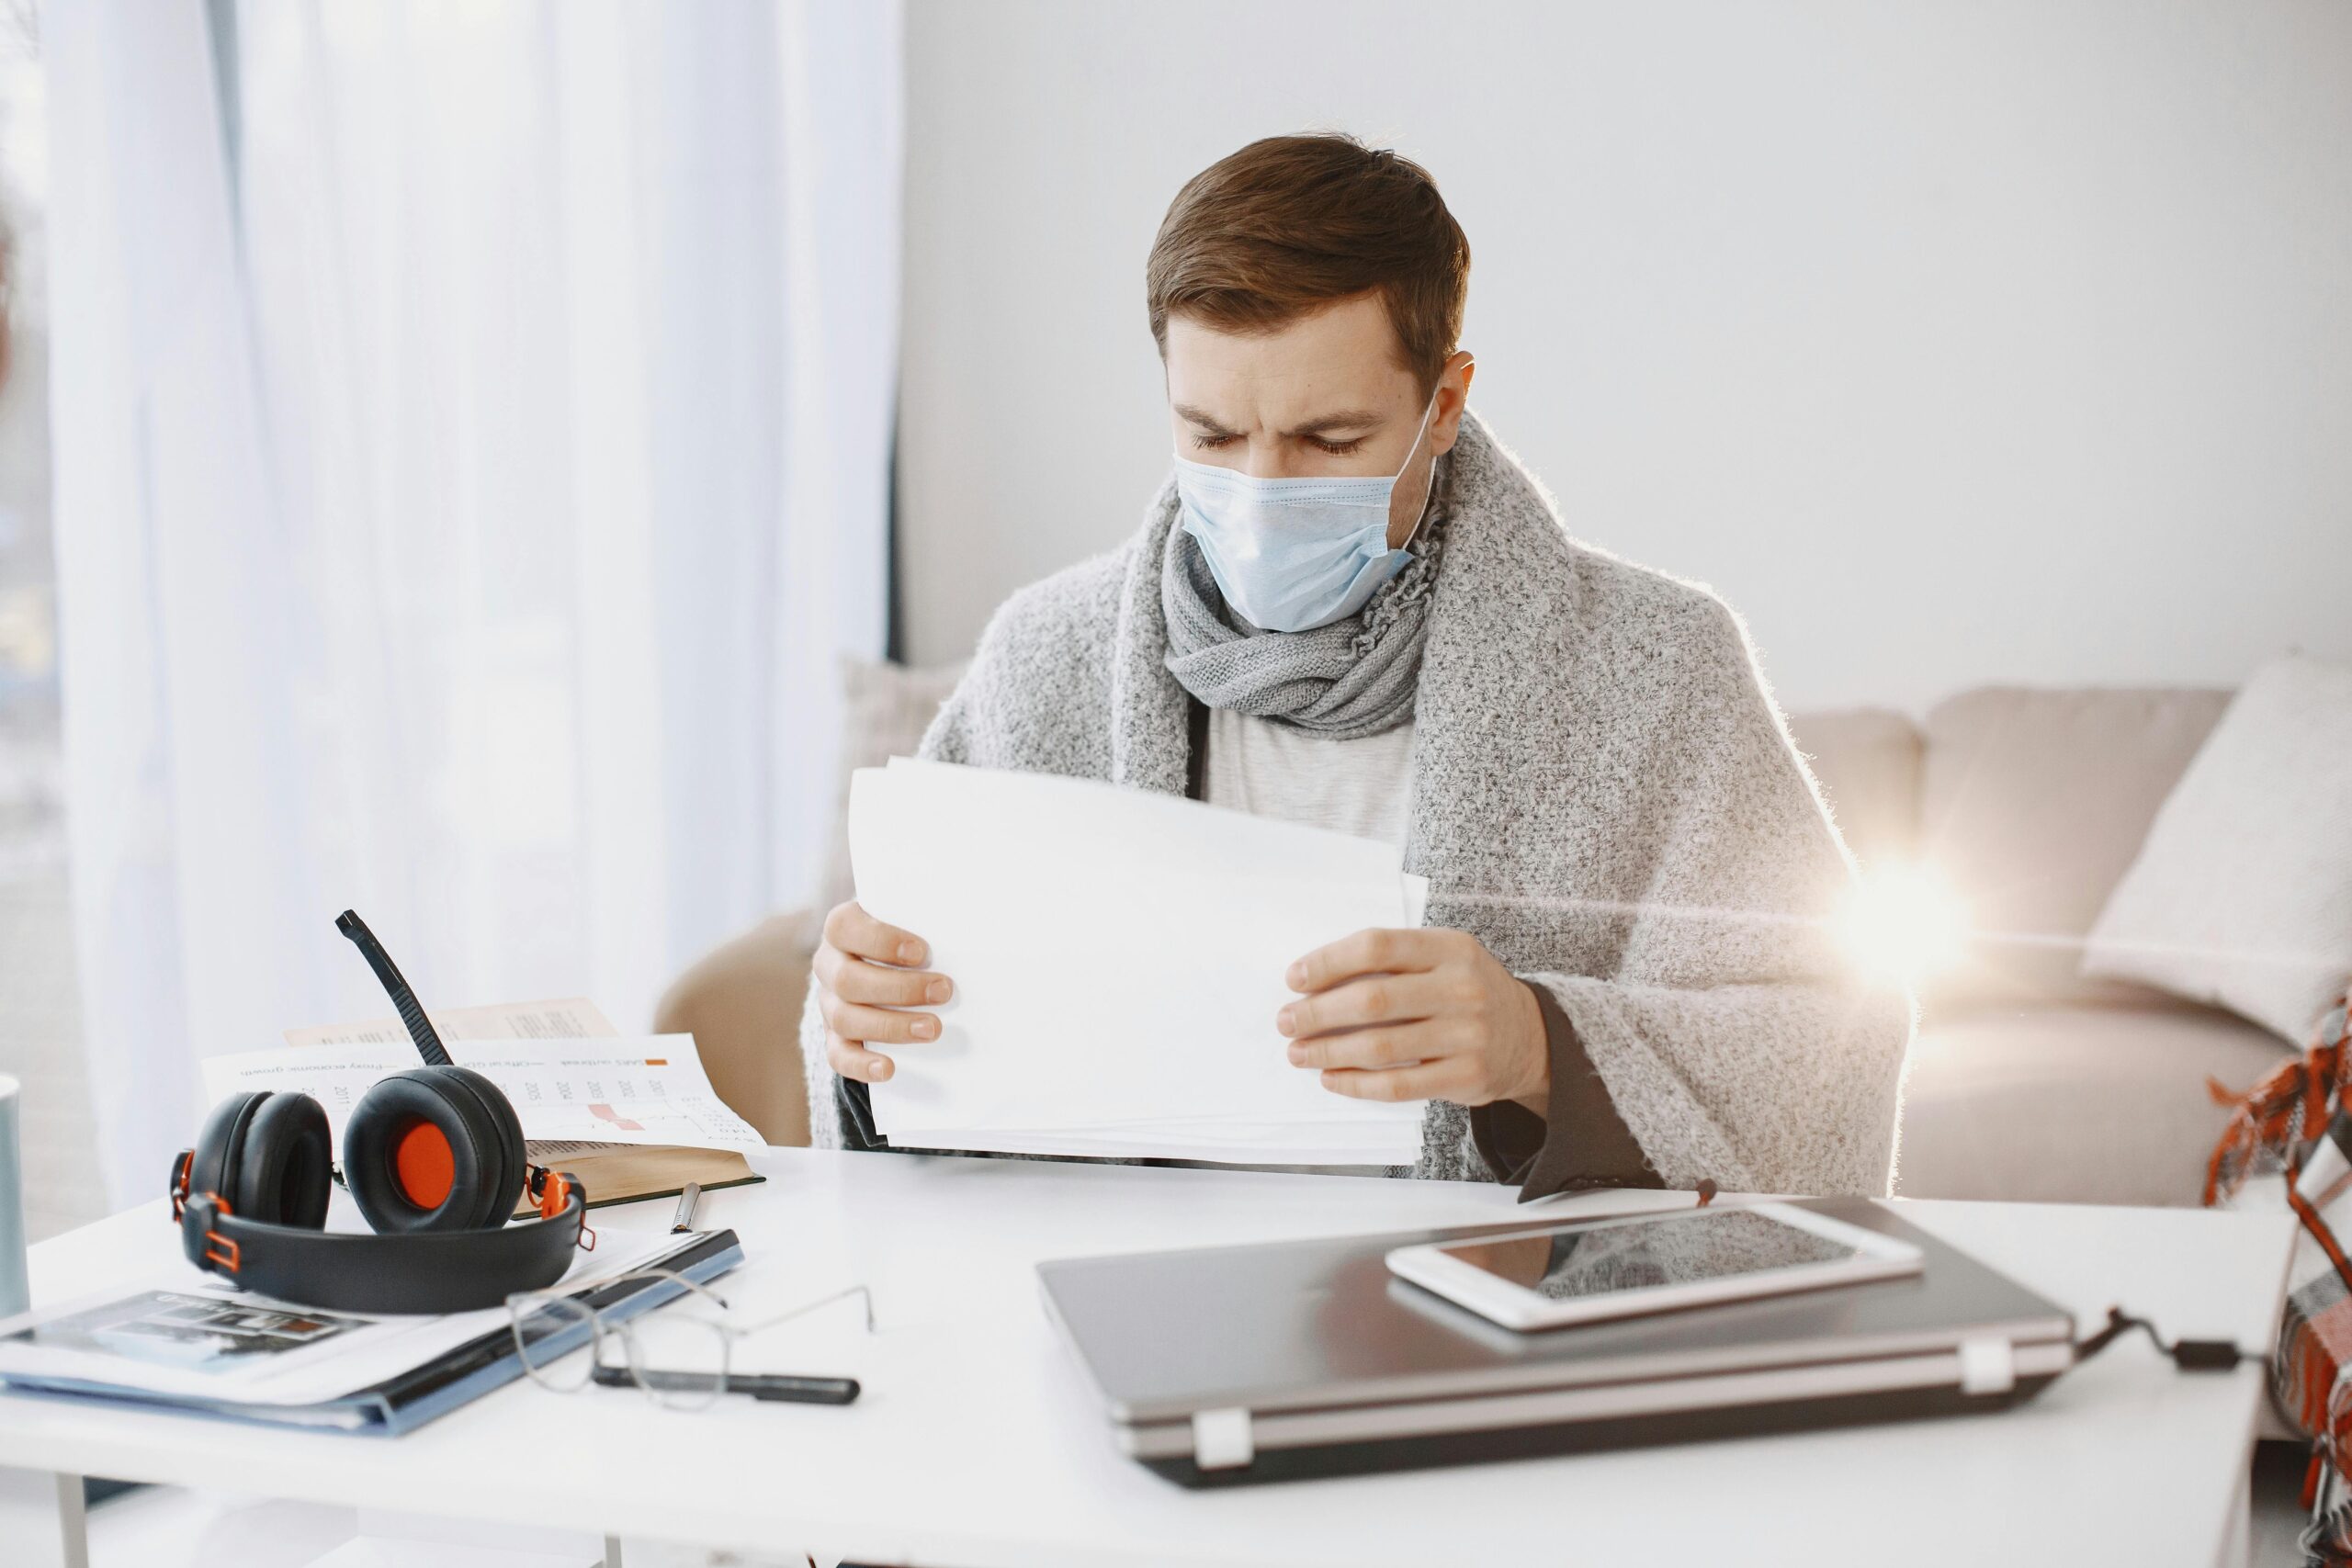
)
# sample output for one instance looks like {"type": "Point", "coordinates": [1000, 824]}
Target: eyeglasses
{"type": "Point", "coordinates": [679, 1354]}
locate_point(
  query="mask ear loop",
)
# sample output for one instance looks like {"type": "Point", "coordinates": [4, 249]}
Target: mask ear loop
{"type": "Point", "coordinates": [1429, 491]}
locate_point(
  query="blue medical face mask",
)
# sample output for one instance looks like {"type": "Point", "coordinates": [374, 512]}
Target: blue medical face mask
{"type": "Point", "coordinates": [1292, 555]}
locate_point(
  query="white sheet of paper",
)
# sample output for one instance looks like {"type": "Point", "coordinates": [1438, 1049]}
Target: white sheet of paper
{"type": "Point", "coordinates": [1118, 956]}
{"type": "Point", "coordinates": [1274, 1147]}
{"type": "Point", "coordinates": [648, 1091]}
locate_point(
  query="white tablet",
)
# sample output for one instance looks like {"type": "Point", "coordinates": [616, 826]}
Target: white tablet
{"type": "Point", "coordinates": [1590, 1270]}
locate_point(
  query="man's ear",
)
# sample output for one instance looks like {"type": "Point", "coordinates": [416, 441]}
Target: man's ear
{"type": "Point", "coordinates": [1453, 402]}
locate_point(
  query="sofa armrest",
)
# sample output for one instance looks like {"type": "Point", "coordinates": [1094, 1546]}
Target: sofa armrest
{"type": "Point", "coordinates": [741, 1002]}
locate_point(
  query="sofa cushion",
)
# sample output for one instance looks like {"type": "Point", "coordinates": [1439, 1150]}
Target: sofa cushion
{"type": "Point", "coordinates": [1867, 761]}
{"type": "Point", "coordinates": [2073, 1104]}
{"type": "Point", "coordinates": [2032, 804]}
{"type": "Point", "coordinates": [2242, 896]}
{"type": "Point", "coordinates": [741, 1003]}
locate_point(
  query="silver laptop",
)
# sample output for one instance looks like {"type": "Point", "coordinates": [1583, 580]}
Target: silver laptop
{"type": "Point", "coordinates": [1296, 1359]}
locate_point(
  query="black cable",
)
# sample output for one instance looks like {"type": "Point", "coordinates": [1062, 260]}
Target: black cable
{"type": "Point", "coordinates": [2188, 1355]}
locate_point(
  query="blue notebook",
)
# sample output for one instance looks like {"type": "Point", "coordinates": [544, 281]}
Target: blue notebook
{"type": "Point", "coordinates": [453, 1378]}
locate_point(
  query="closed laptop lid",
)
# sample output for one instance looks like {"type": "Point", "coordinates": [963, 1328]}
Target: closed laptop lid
{"type": "Point", "coordinates": [1320, 1323]}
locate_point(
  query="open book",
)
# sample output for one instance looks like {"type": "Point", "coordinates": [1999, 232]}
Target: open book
{"type": "Point", "coordinates": [613, 1173]}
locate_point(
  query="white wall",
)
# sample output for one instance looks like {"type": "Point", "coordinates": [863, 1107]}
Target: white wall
{"type": "Point", "coordinates": [1950, 342]}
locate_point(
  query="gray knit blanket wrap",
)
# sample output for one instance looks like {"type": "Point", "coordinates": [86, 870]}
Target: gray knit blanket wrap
{"type": "Point", "coordinates": [1352, 678]}
{"type": "Point", "coordinates": [1602, 793]}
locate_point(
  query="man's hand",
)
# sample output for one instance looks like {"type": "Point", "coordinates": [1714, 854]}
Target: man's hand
{"type": "Point", "coordinates": [863, 971]}
{"type": "Point", "coordinates": [1422, 1014]}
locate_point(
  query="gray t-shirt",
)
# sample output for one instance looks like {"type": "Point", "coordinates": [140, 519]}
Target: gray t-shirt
{"type": "Point", "coordinates": [1267, 769]}
{"type": "Point", "coordinates": [1359, 786]}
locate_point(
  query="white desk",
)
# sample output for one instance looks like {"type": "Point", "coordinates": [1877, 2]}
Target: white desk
{"type": "Point", "coordinates": [978, 1441]}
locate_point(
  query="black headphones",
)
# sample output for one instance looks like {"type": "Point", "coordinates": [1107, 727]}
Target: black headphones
{"type": "Point", "coordinates": [432, 1157]}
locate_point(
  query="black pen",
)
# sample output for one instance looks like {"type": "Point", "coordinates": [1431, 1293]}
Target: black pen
{"type": "Point", "coordinates": [761, 1385]}
{"type": "Point", "coordinates": [685, 1220]}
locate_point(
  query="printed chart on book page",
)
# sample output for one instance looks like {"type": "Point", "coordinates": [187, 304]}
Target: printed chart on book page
{"type": "Point", "coordinates": [571, 1017]}
{"type": "Point", "coordinates": [648, 1091]}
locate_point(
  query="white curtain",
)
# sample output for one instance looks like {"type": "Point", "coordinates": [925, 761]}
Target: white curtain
{"type": "Point", "coordinates": [472, 426]}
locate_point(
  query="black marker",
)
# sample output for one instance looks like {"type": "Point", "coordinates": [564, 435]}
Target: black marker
{"type": "Point", "coordinates": [764, 1386]}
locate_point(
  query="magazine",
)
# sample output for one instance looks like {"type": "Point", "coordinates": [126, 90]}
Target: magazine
{"type": "Point", "coordinates": [185, 1339]}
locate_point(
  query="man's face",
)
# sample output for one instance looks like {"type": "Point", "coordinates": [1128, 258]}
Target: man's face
{"type": "Point", "coordinates": [1323, 396]}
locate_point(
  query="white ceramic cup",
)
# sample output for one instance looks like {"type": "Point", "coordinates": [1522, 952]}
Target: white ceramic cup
{"type": "Point", "coordinates": [15, 1296]}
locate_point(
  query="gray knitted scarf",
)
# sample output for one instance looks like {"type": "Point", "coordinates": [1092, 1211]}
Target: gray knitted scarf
{"type": "Point", "coordinates": [1352, 678]}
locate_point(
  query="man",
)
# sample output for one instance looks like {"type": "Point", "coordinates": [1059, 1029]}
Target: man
{"type": "Point", "coordinates": [1351, 607]}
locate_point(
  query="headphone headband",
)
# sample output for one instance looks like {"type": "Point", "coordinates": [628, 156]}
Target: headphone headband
{"type": "Point", "coordinates": [437, 1271]}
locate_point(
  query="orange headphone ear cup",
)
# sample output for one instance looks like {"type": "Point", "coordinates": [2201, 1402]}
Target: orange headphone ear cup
{"type": "Point", "coordinates": [416, 1155]}
{"type": "Point", "coordinates": [282, 1174]}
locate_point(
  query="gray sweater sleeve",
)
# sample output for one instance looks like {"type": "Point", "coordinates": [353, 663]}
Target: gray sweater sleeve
{"type": "Point", "coordinates": [1580, 1142]}
{"type": "Point", "coordinates": [1737, 1040]}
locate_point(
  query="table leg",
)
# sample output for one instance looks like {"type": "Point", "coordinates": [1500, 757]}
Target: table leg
{"type": "Point", "coordinates": [2237, 1540]}
{"type": "Point", "coordinates": [41, 1519]}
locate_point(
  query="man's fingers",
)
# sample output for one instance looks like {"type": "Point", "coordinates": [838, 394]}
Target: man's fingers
{"type": "Point", "coordinates": [854, 1021]}
{"type": "Point", "coordinates": [1372, 951]}
{"type": "Point", "coordinates": [1431, 1080]}
{"type": "Point", "coordinates": [854, 980]}
{"type": "Point", "coordinates": [877, 1025]}
{"type": "Point", "coordinates": [860, 986]}
{"type": "Point", "coordinates": [1372, 1048]}
{"type": "Point", "coordinates": [1372, 999]}
{"type": "Point", "coordinates": [854, 1060]}
{"type": "Point", "coordinates": [860, 935]}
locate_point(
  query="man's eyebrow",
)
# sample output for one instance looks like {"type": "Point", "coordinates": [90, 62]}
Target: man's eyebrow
{"type": "Point", "coordinates": [1347, 419]}
{"type": "Point", "coordinates": [1208, 421]}
{"type": "Point", "coordinates": [1344, 419]}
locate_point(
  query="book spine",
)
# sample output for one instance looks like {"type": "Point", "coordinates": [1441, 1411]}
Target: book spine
{"type": "Point", "coordinates": [479, 1365]}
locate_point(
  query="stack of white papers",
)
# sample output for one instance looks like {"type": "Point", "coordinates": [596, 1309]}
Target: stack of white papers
{"type": "Point", "coordinates": [1118, 957]}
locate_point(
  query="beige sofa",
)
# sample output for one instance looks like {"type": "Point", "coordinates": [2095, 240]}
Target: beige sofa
{"type": "Point", "coordinates": [2026, 1082]}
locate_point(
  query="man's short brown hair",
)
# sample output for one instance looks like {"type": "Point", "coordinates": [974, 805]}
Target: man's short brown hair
{"type": "Point", "coordinates": [1292, 223]}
